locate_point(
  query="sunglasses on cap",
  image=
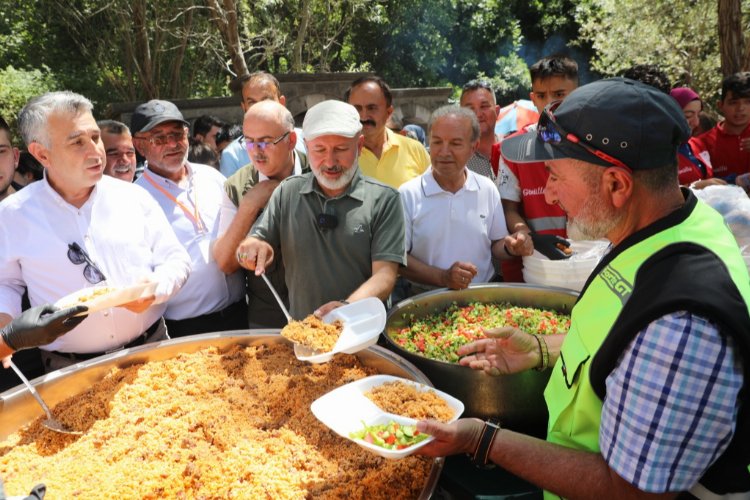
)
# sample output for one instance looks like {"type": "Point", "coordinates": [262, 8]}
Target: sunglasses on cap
{"type": "Point", "coordinates": [551, 132]}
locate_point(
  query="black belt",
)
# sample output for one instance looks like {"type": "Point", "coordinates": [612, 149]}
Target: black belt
{"type": "Point", "coordinates": [139, 340]}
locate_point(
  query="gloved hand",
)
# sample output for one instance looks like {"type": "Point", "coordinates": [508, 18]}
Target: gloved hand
{"type": "Point", "coordinates": [40, 325]}
{"type": "Point", "coordinates": [551, 246]}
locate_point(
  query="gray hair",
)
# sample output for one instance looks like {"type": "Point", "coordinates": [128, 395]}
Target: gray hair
{"type": "Point", "coordinates": [32, 120]}
{"type": "Point", "coordinates": [458, 112]}
{"type": "Point", "coordinates": [113, 127]}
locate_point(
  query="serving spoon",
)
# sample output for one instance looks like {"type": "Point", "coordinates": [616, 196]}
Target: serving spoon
{"type": "Point", "coordinates": [51, 422]}
{"type": "Point", "coordinates": [289, 318]}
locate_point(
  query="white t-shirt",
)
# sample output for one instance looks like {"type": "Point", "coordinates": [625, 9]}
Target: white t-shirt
{"type": "Point", "coordinates": [123, 231]}
{"type": "Point", "coordinates": [443, 227]}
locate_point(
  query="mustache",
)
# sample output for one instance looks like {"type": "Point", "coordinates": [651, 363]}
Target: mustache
{"type": "Point", "coordinates": [334, 169]}
{"type": "Point", "coordinates": [367, 122]}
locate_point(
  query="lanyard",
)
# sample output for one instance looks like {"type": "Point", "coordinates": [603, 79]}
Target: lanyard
{"type": "Point", "coordinates": [192, 215]}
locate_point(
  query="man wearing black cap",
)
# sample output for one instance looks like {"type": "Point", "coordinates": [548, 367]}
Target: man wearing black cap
{"type": "Point", "coordinates": [190, 195]}
{"type": "Point", "coordinates": [646, 391]}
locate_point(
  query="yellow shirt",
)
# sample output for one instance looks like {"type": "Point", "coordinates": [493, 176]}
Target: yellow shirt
{"type": "Point", "coordinates": [402, 159]}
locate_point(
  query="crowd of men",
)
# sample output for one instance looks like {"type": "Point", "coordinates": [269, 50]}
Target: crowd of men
{"type": "Point", "coordinates": [647, 393]}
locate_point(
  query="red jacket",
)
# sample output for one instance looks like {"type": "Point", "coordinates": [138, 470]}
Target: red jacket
{"type": "Point", "coordinates": [726, 157]}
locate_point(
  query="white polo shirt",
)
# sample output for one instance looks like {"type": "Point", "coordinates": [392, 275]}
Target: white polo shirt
{"type": "Point", "coordinates": [444, 227]}
{"type": "Point", "coordinates": [192, 210]}
{"type": "Point", "coordinates": [124, 233]}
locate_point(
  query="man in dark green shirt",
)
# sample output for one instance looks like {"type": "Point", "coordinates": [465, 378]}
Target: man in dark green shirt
{"type": "Point", "coordinates": [269, 138]}
{"type": "Point", "coordinates": [341, 235]}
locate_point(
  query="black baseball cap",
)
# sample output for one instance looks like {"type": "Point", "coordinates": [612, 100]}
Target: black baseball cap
{"type": "Point", "coordinates": [631, 122]}
{"type": "Point", "coordinates": [150, 114]}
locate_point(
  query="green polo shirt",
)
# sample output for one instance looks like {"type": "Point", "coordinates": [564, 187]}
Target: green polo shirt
{"type": "Point", "coordinates": [325, 264]}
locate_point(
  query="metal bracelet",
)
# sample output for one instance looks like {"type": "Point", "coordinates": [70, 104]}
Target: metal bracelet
{"type": "Point", "coordinates": [543, 352]}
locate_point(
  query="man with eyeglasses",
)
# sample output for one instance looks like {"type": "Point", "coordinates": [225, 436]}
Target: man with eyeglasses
{"type": "Point", "coordinates": [190, 195]}
{"type": "Point", "coordinates": [387, 156]}
{"type": "Point", "coordinates": [270, 140]}
{"type": "Point", "coordinates": [648, 390]}
{"type": "Point", "coordinates": [340, 234]}
{"type": "Point", "coordinates": [118, 146]}
{"type": "Point", "coordinates": [76, 228]}
{"type": "Point", "coordinates": [252, 89]}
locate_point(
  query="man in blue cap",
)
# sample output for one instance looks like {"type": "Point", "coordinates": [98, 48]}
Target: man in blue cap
{"type": "Point", "coordinates": [646, 391]}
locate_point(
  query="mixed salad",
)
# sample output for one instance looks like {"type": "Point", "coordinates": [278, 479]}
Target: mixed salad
{"type": "Point", "coordinates": [391, 436]}
{"type": "Point", "coordinates": [439, 336]}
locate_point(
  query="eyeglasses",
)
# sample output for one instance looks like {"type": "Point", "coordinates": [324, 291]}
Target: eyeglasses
{"type": "Point", "coordinates": [551, 132]}
{"type": "Point", "coordinates": [262, 145]}
{"type": "Point", "coordinates": [164, 139]}
{"type": "Point", "coordinates": [77, 256]}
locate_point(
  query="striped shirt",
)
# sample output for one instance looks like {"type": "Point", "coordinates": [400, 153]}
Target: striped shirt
{"type": "Point", "coordinates": [671, 403]}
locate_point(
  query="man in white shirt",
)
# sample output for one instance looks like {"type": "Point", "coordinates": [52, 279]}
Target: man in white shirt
{"type": "Point", "coordinates": [190, 195]}
{"type": "Point", "coordinates": [454, 219]}
{"type": "Point", "coordinates": [69, 231]}
{"type": "Point", "coordinates": [252, 89]}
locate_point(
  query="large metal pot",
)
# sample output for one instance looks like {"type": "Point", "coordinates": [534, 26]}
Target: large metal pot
{"type": "Point", "coordinates": [517, 400]}
{"type": "Point", "coordinates": [18, 407]}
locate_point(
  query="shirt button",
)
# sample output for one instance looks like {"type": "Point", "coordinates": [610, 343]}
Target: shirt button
{"type": "Point", "coordinates": [106, 313]}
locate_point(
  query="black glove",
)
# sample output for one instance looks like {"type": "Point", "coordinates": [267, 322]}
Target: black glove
{"type": "Point", "coordinates": [40, 325]}
{"type": "Point", "coordinates": [551, 246]}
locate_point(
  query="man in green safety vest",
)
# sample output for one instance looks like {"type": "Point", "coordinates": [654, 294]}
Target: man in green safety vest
{"type": "Point", "coordinates": [647, 394]}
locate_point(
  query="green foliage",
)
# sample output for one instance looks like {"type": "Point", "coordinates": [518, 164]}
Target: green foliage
{"type": "Point", "coordinates": [18, 86]}
{"type": "Point", "coordinates": [678, 35]}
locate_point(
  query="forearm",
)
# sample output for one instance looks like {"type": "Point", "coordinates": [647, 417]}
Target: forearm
{"type": "Point", "coordinates": [419, 272]}
{"type": "Point", "coordinates": [513, 217]}
{"type": "Point", "coordinates": [551, 466]}
{"type": "Point", "coordinates": [380, 284]}
{"type": "Point", "coordinates": [225, 247]}
{"type": "Point", "coordinates": [501, 251]}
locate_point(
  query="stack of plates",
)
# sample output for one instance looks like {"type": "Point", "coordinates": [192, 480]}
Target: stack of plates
{"type": "Point", "coordinates": [569, 273]}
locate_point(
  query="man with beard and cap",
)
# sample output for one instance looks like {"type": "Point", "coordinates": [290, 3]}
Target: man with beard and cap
{"type": "Point", "coordinates": [387, 156]}
{"type": "Point", "coordinates": [77, 228]}
{"type": "Point", "coordinates": [340, 234]}
{"type": "Point", "coordinates": [647, 395]}
{"type": "Point", "coordinates": [118, 146]}
{"type": "Point", "coordinates": [190, 195]}
{"type": "Point", "coordinates": [270, 140]}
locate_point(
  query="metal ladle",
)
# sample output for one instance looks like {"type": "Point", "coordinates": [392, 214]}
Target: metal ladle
{"type": "Point", "coordinates": [289, 318]}
{"type": "Point", "coordinates": [51, 422]}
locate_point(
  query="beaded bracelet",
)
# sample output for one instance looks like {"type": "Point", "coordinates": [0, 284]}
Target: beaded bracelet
{"type": "Point", "coordinates": [544, 352]}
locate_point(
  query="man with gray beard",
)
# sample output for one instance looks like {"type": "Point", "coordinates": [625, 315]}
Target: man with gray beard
{"type": "Point", "coordinates": [190, 195]}
{"type": "Point", "coordinates": [341, 235]}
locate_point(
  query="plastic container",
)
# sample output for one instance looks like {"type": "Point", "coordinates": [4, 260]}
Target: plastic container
{"type": "Point", "coordinates": [346, 409]}
{"type": "Point", "coordinates": [363, 321]}
{"type": "Point", "coordinates": [570, 273]}
{"type": "Point", "coordinates": [97, 298]}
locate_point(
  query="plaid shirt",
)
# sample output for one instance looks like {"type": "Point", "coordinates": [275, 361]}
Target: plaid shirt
{"type": "Point", "coordinates": [671, 403]}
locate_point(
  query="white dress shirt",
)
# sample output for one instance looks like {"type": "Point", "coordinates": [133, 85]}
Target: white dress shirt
{"type": "Point", "coordinates": [444, 227]}
{"type": "Point", "coordinates": [207, 289]}
{"type": "Point", "coordinates": [124, 233]}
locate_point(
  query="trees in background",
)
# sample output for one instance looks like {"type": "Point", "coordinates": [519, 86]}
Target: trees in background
{"type": "Point", "coordinates": [126, 50]}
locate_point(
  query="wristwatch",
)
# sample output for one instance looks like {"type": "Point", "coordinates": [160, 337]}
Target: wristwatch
{"type": "Point", "coordinates": [481, 455]}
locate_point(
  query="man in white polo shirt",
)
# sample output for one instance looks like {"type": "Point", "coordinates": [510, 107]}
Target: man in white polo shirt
{"type": "Point", "coordinates": [77, 228]}
{"type": "Point", "coordinates": [454, 219]}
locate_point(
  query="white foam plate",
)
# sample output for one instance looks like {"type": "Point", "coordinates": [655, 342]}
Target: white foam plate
{"type": "Point", "coordinates": [113, 298]}
{"type": "Point", "coordinates": [363, 321]}
{"type": "Point", "coordinates": [344, 409]}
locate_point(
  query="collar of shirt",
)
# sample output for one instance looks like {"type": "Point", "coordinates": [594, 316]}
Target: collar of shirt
{"type": "Point", "coordinates": [355, 190]}
{"type": "Point", "coordinates": [59, 201]}
{"type": "Point", "coordinates": [297, 168]}
{"type": "Point", "coordinates": [170, 182]}
{"type": "Point", "coordinates": [430, 187]}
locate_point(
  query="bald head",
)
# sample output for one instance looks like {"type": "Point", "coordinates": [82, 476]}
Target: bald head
{"type": "Point", "coordinates": [268, 128]}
